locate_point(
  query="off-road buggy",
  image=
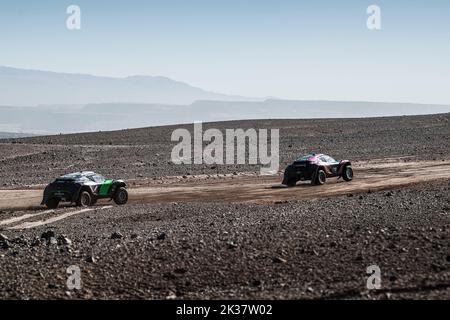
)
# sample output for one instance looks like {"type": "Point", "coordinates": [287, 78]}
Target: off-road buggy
{"type": "Point", "coordinates": [317, 168]}
{"type": "Point", "coordinates": [84, 189]}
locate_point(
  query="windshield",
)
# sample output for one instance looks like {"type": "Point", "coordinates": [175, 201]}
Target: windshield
{"type": "Point", "coordinates": [68, 177]}
{"type": "Point", "coordinates": [97, 178]}
{"type": "Point", "coordinates": [305, 158]}
{"type": "Point", "coordinates": [327, 159]}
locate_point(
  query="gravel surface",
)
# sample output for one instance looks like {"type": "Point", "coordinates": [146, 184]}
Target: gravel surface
{"type": "Point", "coordinates": [308, 249]}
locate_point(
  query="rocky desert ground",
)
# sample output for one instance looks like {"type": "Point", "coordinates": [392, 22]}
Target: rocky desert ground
{"type": "Point", "coordinates": [224, 232]}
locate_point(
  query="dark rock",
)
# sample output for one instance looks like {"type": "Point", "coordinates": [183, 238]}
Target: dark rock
{"type": "Point", "coordinates": [4, 242]}
{"type": "Point", "coordinates": [36, 242]}
{"type": "Point", "coordinates": [256, 283]}
{"type": "Point", "coordinates": [91, 259]}
{"type": "Point", "coordinates": [359, 258]}
{"type": "Point", "coordinates": [47, 235]}
{"type": "Point", "coordinates": [232, 245]}
{"type": "Point", "coordinates": [180, 271]}
{"type": "Point", "coordinates": [279, 260]}
{"type": "Point", "coordinates": [116, 235]}
{"type": "Point", "coordinates": [63, 240]}
{"type": "Point", "coordinates": [161, 236]}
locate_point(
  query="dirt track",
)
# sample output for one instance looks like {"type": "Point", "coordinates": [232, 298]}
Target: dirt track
{"type": "Point", "coordinates": [369, 175]}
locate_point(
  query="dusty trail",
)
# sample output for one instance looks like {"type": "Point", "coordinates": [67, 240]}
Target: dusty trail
{"type": "Point", "coordinates": [368, 176]}
{"type": "Point", "coordinates": [372, 175]}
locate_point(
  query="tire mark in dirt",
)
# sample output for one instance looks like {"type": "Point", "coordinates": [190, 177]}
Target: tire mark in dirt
{"type": "Point", "coordinates": [34, 224]}
{"type": "Point", "coordinates": [24, 217]}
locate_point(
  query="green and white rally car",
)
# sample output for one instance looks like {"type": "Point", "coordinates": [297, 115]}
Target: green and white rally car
{"type": "Point", "coordinates": [84, 189]}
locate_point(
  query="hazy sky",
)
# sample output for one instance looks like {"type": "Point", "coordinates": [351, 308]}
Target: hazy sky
{"type": "Point", "coordinates": [284, 48]}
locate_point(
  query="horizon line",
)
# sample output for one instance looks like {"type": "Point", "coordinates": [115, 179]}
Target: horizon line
{"type": "Point", "coordinates": [261, 99]}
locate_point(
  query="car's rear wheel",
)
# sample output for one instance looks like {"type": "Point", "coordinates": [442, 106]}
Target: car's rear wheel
{"type": "Point", "coordinates": [320, 178]}
{"type": "Point", "coordinates": [121, 196]}
{"type": "Point", "coordinates": [85, 199]}
{"type": "Point", "coordinates": [348, 173]}
{"type": "Point", "coordinates": [290, 182]}
{"type": "Point", "coordinates": [52, 203]}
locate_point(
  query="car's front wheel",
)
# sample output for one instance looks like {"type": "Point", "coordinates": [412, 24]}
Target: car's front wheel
{"type": "Point", "coordinates": [121, 196]}
{"type": "Point", "coordinates": [348, 173]}
{"type": "Point", "coordinates": [320, 178]}
{"type": "Point", "coordinates": [85, 199]}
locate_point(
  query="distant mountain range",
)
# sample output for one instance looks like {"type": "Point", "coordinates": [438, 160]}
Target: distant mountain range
{"type": "Point", "coordinates": [8, 135]}
{"type": "Point", "coordinates": [114, 116]}
{"type": "Point", "coordinates": [20, 87]}
{"type": "Point", "coordinates": [46, 102]}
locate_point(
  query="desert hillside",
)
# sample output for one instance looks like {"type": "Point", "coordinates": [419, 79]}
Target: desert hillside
{"type": "Point", "coordinates": [223, 232]}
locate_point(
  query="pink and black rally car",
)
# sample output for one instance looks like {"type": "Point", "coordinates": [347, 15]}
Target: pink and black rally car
{"type": "Point", "coordinates": [317, 168]}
